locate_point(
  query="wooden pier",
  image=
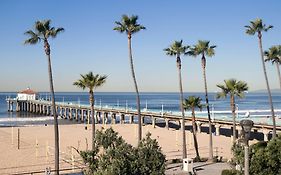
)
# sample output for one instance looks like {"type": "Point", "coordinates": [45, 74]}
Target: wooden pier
{"type": "Point", "coordinates": [104, 115]}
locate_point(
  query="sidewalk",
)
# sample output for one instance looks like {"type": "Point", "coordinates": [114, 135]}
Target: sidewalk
{"type": "Point", "coordinates": [201, 168]}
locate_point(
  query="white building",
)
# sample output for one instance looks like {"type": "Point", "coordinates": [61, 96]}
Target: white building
{"type": "Point", "coordinates": [27, 94]}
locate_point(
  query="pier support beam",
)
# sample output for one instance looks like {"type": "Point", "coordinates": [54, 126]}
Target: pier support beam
{"type": "Point", "coordinates": [76, 114]}
{"type": "Point", "coordinates": [122, 117]}
{"type": "Point", "coordinates": [217, 129]}
{"type": "Point", "coordinates": [143, 120]}
{"type": "Point", "coordinates": [103, 117]}
{"type": "Point", "coordinates": [17, 107]}
{"type": "Point", "coordinates": [65, 113]}
{"type": "Point", "coordinates": [113, 118]}
{"type": "Point", "coordinates": [70, 114]}
{"type": "Point", "coordinates": [153, 119]}
{"type": "Point", "coordinates": [265, 134]}
{"type": "Point", "coordinates": [167, 123]}
{"type": "Point", "coordinates": [82, 115]}
{"type": "Point", "coordinates": [88, 116]}
{"type": "Point", "coordinates": [131, 119]}
{"type": "Point", "coordinates": [199, 127]}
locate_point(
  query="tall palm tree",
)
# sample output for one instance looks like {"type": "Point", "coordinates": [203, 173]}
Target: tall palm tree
{"type": "Point", "coordinates": [177, 49]}
{"type": "Point", "coordinates": [233, 88]}
{"type": "Point", "coordinates": [91, 82]}
{"type": "Point", "coordinates": [191, 103]}
{"type": "Point", "coordinates": [130, 26]}
{"type": "Point", "coordinates": [274, 55]}
{"type": "Point", "coordinates": [258, 27]}
{"type": "Point", "coordinates": [204, 49]}
{"type": "Point", "coordinates": [42, 31]}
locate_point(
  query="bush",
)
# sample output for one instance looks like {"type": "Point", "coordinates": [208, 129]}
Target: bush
{"type": "Point", "coordinates": [230, 172]}
{"type": "Point", "coordinates": [265, 157]}
{"type": "Point", "coordinates": [113, 156]}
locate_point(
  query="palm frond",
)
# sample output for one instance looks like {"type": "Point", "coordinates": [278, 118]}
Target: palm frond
{"type": "Point", "coordinates": [176, 48]}
{"type": "Point", "coordinates": [192, 102]}
{"type": "Point", "coordinates": [90, 81]}
{"type": "Point", "coordinates": [202, 48]}
{"type": "Point", "coordinates": [46, 24]}
{"type": "Point", "coordinates": [128, 25]}
{"type": "Point", "coordinates": [257, 26]}
{"type": "Point", "coordinates": [34, 38]}
{"type": "Point", "coordinates": [232, 87]}
{"type": "Point", "coordinates": [273, 54]}
{"type": "Point", "coordinates": [42, 31]}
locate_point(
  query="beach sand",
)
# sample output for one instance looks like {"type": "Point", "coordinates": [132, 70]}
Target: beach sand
{"type": "Point", "coordinates": [36, 151]}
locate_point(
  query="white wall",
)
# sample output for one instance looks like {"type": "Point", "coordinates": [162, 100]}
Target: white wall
{"type": "Point", "coordinates": [26, 96]}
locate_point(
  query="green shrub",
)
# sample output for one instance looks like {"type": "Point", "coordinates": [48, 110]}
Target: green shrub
{"type": "Point", "coordinates": [265, 157]}
{"type": "Point", "coordinates": [113, 156]}
{"type": "Point", "coordinates": [230, 172]}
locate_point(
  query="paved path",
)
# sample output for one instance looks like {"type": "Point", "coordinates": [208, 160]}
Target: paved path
{"type": "Point", "coordinates": [201, 169]}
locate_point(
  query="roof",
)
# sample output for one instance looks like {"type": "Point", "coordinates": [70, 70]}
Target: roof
{"type": "Point", "coordinates": [27, 91]}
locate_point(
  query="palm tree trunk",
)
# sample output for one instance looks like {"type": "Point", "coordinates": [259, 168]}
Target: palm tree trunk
{"type": "Point", "coordinates": [232, 106]}
{"type": "Point", "coordinates": [278, 71]}
{"type": "Point", "coordinates": [184, 155]}
{"type": "Point", "coordinates": [56, 129]}
{"type": "Point", "coordinates": [93, 118]}
{"type": "Point", "coordinates": [267, 86]}
{"type": "Point", "coordinates": [194, 135]}
{"type": "Point", "coordinates": [136, 88]}
{"type": "Point", "coordinates": [203, 61]}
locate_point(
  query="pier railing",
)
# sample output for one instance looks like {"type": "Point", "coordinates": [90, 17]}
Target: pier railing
{"type": "Point", "coordinates": [105, 114]}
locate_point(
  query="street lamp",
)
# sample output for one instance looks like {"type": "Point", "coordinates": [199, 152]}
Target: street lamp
{"type": "Point", "coordinates": [246, 130]}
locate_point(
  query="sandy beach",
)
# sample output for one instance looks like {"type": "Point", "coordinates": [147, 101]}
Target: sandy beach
{"type": "Point", "coordinates": [36, 151]}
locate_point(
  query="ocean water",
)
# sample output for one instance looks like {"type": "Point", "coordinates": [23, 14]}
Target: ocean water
{"type": "Point", "coordinates": [255, 103]}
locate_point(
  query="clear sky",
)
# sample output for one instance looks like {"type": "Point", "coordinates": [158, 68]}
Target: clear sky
{"type": "Point", "coordinates": [90, 44]}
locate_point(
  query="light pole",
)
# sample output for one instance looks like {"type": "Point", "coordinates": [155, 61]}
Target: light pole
{"type": "Point", "coordinates": [246, 130]}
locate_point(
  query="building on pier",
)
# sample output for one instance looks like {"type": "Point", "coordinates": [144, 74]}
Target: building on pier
{"type": "Point", "coordinates": [27, 94]}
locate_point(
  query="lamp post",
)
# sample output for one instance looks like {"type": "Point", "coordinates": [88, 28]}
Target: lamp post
{"type": "Point", "coordinates": [246, 130]}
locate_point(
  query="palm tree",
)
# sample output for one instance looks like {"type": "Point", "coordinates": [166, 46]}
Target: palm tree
{"type": "Point", "coordinates": [191, 103]}
{"type": "Point", "coordinates": [233, 88]}
{"type": "Point", "coordinates": [42, 31]}
{"type": "Point", "coordinates": [274, 55]}
{"type": "Point", "coordinates": [91, 82]}
{"type": "Point", "coordinates": [258, 27]}
{"type": "Point", "coordinates": [176, 49]}
{"type": "Point", "coordinates": [204, 49]}
{"type": "Point", "coordinates": [130, 26]}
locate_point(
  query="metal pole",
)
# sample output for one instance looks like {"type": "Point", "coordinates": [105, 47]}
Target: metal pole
{"type": "Point", "coordinates": [12, 135]}
{"type": "Point", "coordinates": [18, 138]}
{"type": "Point", "coordinates": [246, 169]}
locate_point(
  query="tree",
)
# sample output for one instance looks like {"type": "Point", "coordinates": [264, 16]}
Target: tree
{"type": "Point", "coordinates": [202, 48]}
{"type": "Point", "coordinates": [130, 26]}
{"type": "Point", "coordinates": [150, 158]}
{"type": "Point", "coordinates": [258, 27]}
{"type": "Point", "coordinates": [264, 157]}
{"type": "Point", "coordinates": [42, 31]}
{"type": "Point", "coordinates": [274, 55]}
{"type": "Point", "coordinates": [91, 82]}
{"type": "Point", "coordinates": [191, 103]}
{"type": "Point", "coordinates": [233, 88]}
{"type": "Point", "coordinates": [177, 49]}
{"type": "Point", "coordinates": [113, 156]}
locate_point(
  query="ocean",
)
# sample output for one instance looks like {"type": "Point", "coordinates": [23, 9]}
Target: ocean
{"type": "Point", "coordinates": [255, 103]}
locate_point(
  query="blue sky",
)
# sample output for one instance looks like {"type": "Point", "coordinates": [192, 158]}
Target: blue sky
{"type": "Point", "coordinates": [90, 44]}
